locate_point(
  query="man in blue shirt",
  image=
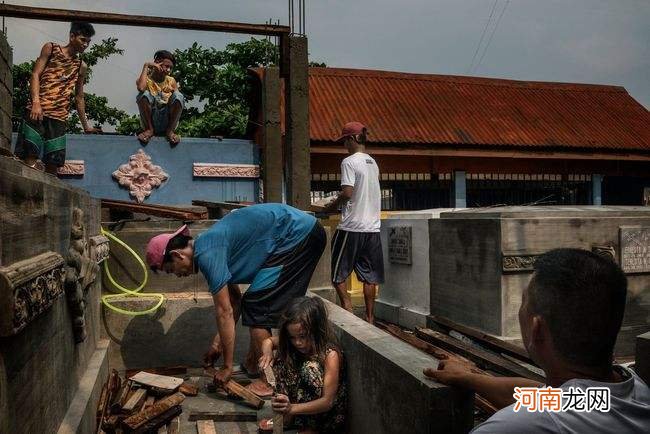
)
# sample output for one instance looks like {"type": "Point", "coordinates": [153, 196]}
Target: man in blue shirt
{"type": "Point", "coordinates": [272, 247]}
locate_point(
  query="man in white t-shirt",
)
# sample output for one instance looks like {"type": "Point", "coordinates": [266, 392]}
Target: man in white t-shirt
{"type": "Point", "coordinates": [570, 316]}
{"type": "Point", "coordinates": [356, 245]}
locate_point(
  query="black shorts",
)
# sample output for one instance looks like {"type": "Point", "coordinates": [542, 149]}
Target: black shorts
{"type": "Point", "coordinates": [262, 308]}
{"type": "Point", "coordinates": [44, 139]}
{"type": "Point", "coordinates": [358, 251]}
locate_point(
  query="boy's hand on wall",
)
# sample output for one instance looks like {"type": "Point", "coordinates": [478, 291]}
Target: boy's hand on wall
{"type": "Point", "coordinates": [448, 372]}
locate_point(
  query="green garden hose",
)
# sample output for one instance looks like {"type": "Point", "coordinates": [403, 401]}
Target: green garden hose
{"type": "Point", "coordinates": [129, 292]}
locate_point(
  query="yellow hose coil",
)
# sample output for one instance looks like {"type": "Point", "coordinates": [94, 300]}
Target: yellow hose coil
{"type": "Point", "coordinates": [129, 292]}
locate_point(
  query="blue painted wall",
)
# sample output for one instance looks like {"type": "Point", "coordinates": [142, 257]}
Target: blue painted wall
{"type": "Point", "coordinates": [104, 154]}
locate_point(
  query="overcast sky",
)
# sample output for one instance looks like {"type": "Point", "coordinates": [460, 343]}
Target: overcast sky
{"type": "Point", "coordinates": [585, 41]}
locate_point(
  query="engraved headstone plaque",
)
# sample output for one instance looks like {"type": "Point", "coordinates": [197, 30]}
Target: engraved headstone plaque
{"type": "Point", "coordinates": [635, 249]}
{"type": "Point", "coordinates": [399, 245]}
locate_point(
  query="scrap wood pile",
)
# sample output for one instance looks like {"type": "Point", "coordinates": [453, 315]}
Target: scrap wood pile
{"type": "Point", "coordinates": [149, 402]}
{"type": "Point", "coordinates": [485, 354]}
{"type": "Point", "coordinates": [141, 403]}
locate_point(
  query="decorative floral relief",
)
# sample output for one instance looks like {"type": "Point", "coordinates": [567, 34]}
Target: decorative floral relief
{"type": "Point", "coordinates": [214, 170]}
{"type": "Point", "coordinates": [140, 175]}
{"type": "Point", "coordinates": [69, 168]}
{"type": "Point", "coordinates": [27, 289]}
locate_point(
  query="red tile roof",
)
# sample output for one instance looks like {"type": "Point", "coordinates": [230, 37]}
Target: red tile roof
{"type": "Point", "coordinates": [423, 109]}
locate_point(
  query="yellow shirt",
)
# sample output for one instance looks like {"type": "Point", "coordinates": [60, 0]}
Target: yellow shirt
{"type": "Point", "coordinates": [161, 90]}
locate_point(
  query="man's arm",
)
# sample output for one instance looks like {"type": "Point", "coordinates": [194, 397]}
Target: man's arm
{"type": "Point", "coordinates": [35, 82]}
{"type": "Point", "coordinates": [226, 329]}
{"type": "Point", "coordinates": [498, 390]}
{"type": "Point", "coordinates": [344, 196]}
{"type": "Point", "coordinates": [80, 100]}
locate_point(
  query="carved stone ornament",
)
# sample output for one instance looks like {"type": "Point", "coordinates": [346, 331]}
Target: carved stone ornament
{"type": "Point", "coordinates": [140, 175]}
{"type": "Point", "coordinates": [519, 263]}
{"type": "Point", "coordinates": [72, 168]}
{"type": "Point", "coordinates": [80, 272]}
{"type": "Point", "coordinates": [69, 168]}
{"type": "Point", "coordinates": [218, 170]}
{"type": "Point", "coordinates": [99, 248]}
{"type": "Point", "coordinates": [27, 289]}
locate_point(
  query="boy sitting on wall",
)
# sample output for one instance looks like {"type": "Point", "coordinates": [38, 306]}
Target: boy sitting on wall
{"type": "Point", "coordinates": [159, 100]}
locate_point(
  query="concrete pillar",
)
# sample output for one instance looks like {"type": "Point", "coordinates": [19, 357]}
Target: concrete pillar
{"type": "Point", "coordinates": [298, 173]}
{"type": "Point", "coordinates": [6, 91]}
{"type": "Point", "coordinates": [459, 190]}
{"type": "Point", "coordinates": [596, 189]}
{"type": "Point", "coordinates": [273, 174]}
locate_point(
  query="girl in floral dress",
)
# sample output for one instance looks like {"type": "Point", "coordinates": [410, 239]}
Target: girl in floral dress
{"type": "Point", "coordinates": [308, 367]}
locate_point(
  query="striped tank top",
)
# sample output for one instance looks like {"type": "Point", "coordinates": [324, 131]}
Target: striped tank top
{"type": "Point", "coordinates": [57, 84]}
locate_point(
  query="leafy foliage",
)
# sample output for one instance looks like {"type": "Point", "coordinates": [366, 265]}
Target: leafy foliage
{"type": "Point", "coordinates": [214, 82]}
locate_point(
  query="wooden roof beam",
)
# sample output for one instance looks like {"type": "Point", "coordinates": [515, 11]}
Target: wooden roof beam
{"type": "Point", "coordinates": [49, 14]}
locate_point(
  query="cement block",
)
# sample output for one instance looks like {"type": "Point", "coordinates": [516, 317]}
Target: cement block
{"type": "Point", "coordinates": [642, 365]}
{"type": "Point", "coordinates": [388, 391]}
{"type": "Point", "coordinates": [179, 333]}
{"type": "Point", "coordinates": [478, 277]}
{"type": "Point", "coordinates": [405, 294]}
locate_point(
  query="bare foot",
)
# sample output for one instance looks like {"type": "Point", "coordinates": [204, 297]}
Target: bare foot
{"type": "Point", "coordinates": [370, 319]}
{"type": "Point", "coordinates": [145, 136]}
{"type": "Point", "coordinates": [173, 138]}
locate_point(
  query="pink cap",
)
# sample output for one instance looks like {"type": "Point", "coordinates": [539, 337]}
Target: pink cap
{"type": "Point", "coordinates": [158, 245]}
{"type": "Point", "coordinates": [351, 129]}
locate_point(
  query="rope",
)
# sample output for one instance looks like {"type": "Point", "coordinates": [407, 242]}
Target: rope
{"type": "Point", "coordinates": [135, 293]}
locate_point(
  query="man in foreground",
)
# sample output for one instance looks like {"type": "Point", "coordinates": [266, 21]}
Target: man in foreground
{"type": "Point", "coordinates": [273, 247]}
{"type": "Point", "coordinates": [570, 316]}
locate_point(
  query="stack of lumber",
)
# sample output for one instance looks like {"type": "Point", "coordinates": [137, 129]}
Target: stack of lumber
{"type": "Point", "coordinates": [485, 354]}
{"type": "Point", "coordinates": [142, 402]}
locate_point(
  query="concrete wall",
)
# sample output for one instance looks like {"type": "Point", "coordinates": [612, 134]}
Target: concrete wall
{"type": "Point", "coordinates": [6, 91]}
{"type": "Point", "coordinates": [388, 393]}
{"type": "Point", "coordinates": [41, 367]}
{"type": "Point", "coordinates": [102, 155]}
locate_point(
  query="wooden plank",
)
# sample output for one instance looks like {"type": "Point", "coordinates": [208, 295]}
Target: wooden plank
{"type": "Point", "coordinates": [160, 407]}
{"type": "Point", "coordinates": [174, 427]}
{"type": "Point", "coordinates": [479, 356]}
{"type": "Point", "coordinates": [163, 382]}
{"type": "Point", "coordinates": [188, 389]}
{"type": "Point", "coordinates": [162, 370]}
{"type": "Point", "coordinates": [491, 342]}
{"type": "Point", "coordinates": [66, 15]}
{"type": "Point", "coordinates": [155, 210]}
{"type": "Point", "coordinates": [249, 397]}
{"type": "Point", "coordinates": [234, 388]}
{"type": "Point", "coordinates": [101, 405]}
{"type": "Point", "coordinates": [158, 421]}
{"type": "Point", "coordinates": [149, 401]}
{"type": "Point", "coordinates": [135, 401]}
{"type": "Point", "coordinates": [420, 344]}
{"type": "Point", "coordinates": [278, 418]}
{"type": "Point", "coordinates": [205, 427]}
{"type": "Point", "coordinates": [121, 397]}
{"type": "Point", "coordinates": [224, 416]}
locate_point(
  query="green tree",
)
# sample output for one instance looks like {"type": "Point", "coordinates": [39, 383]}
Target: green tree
{"type": "Point", "coordinates": [98, 111]}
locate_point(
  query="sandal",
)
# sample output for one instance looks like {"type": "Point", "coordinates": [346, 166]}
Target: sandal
{"type": "Point", "coordinates": [245, 371]}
